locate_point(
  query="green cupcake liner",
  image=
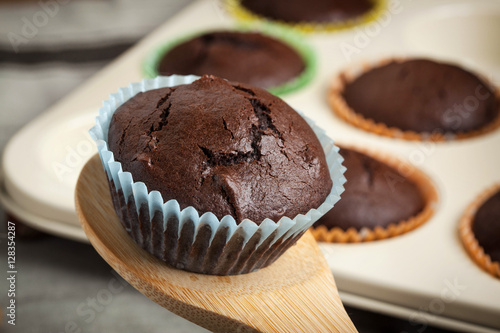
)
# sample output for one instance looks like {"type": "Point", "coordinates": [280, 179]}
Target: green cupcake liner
{"type": "Point", "coordinates": [292, 39]}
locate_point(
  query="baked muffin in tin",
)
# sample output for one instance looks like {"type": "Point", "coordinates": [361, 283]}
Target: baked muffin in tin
{"type": "Point", "coordinates": [416, 99]}
{"type": "Point", "coordinates": [384, 197]}
{"type": "Point", "coordinates": [480, 230]}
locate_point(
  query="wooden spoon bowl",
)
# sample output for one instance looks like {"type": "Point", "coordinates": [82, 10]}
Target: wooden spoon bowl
{"type": "Point", "coordinates": [296, 293]}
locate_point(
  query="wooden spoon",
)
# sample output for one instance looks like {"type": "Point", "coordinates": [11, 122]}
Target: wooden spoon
{"type": "Point", "coordinates": [296, 293]}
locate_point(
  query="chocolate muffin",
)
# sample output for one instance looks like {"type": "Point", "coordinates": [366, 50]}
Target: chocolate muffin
{"type": "Point", "coordinates": [375, 195]}
{"type": "Point", "coordinates": [422, 96]}
{"type": "Point", "coordinates": [221, 147]}
{"type": "Point", "coordinates": [486, 226]}
{"type": "Point", "coordinates": [248, 57]}
{"type": "Point", "coordinates": [315, 11]}
{"type": "Point", "coordinates": [480, 230]}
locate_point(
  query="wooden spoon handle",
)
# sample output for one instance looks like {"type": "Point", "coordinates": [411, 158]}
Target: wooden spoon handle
{"type": "Point", "coordinates": [296, 293]}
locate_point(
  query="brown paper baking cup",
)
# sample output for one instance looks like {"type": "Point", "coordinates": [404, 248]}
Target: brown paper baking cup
{"type": "Point", "coordinates": [472, 246]}
{"type": "Point", "coordinates": [344, 111]}
{"type": "Point", "coordinates": [421, 180]}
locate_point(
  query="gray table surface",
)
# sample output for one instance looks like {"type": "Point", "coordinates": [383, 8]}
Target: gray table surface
{"type": "Point", "coordinates": [65, 286]}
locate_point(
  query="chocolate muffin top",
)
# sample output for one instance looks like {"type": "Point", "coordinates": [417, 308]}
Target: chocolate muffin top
{"type": "Point", "coordinates": [313, 11]}
{"type": "Point", "coordinates": [486, 226]}
{"type": "Point", "coordinates": [221, 147]}
{"type": "Point", "coordinates": [423, 96]}
{"type": "Point", "coordinates": [247, 57]}
{"type": "Point", "coordinates": [375, 195]}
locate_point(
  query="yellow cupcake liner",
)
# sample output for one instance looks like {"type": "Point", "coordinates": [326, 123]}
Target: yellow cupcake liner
{"type": "Point", "coordinates": [469, 241]}
{"type": "Point", "coordinates": [420, 179]}
{"type": "Point", "coordinates": [235, 8]}
{"type": "Point", "coordinates": [344, 111]}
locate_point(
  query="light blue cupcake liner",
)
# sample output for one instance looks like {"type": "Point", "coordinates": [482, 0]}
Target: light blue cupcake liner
{"type": "Point", "coordinates": [264, 237]}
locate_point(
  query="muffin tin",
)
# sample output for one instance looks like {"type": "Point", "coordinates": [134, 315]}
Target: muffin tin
{"type": "Point", "coordinates": [424, 276]}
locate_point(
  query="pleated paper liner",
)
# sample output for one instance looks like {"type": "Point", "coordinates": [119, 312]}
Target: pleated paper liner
{"type": "Point", "coordinates": [344, 111]}
{"type": "Point", "coordinates": [420, 179]}
{"type": "Point", "coordinates": [183, 238]}
{"type": "Point", "coordinates": [469, 241]}
{"type": "Point", "coordinates": [286, 36]}
{"type": "Point", "coordinates": [241, 13]}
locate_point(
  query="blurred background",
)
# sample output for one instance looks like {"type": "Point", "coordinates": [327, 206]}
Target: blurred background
{"type": "Point", "coordinates": [64, 285]}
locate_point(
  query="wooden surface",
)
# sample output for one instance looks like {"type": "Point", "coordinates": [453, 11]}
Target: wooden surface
{"type": "Point", "coordinates": [297, 293]}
